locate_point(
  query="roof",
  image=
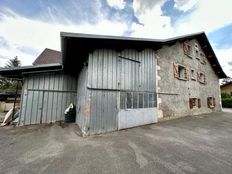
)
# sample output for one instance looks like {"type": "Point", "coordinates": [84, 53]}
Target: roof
{"type": "Point", "coordinates": [76, 46]}
{"type": "Point", "coordinates": [18, 72]}
{"type": "Point", "coordinates": [48, 56]}
{"type": "Point", "coordinates": [226, 84]}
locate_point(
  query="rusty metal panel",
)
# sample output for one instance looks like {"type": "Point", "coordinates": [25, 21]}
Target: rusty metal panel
{"type": "Point", "coordinates": [83, 102]}
{"type": "Point", "coordinates": [46, 96]}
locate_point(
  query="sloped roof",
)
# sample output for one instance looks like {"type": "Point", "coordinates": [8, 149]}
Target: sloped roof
{"type": "Point", "coordinates": [76, 46]}
{"type": "Point", "coordinates": [48, 56]}
{"type": "Point", "coordinates": [18, 72]}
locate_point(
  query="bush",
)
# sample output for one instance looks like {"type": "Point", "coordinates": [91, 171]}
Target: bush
{"type": "Point", "coordinates": [227, 102]}
{"type": "Point", "coordinates": [225, 95]}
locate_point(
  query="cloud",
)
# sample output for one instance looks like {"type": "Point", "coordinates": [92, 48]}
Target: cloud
{"type": "Point", "coordinates": [185, 5]}
{"type": "Point", "coordinates": [225, 56]}
{"type": "Point", "coordinates": [222, 37]}
{"type": "Point", "coordinates": [208, 16]}
{"type": "Point", "coordinates": [141, 7]}
{"type": "Point", "coordinates": [62, 12]}
{"type": "Point", "coordinates": [155, 25]}
{"type": "Point", "coordinates": [118, 4]}
{"type": "Point", "coordinates": [28, 50]}
{"type": "Point", "coordinates": [3, 42]}
{"type": "Point", "coordinates": [33, 36]}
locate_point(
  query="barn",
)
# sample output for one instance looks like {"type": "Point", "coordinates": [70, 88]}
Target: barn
{"type": "Point", "coordinates": [121, 82]}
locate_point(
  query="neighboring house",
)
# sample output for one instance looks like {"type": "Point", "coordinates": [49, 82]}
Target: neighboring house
{"type": "Point", "coordinates": [227, 88]}
{"type": "Point", "coordinates": [48, 56]}
{"type": "Point", "coordinates": [122, 82]}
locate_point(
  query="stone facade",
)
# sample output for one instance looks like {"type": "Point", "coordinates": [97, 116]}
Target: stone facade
{"type": "Point", "coordinates": [174, 94]}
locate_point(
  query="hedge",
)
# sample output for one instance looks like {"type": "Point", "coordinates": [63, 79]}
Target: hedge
{"type": "Point", "coordinates": [227, 102]}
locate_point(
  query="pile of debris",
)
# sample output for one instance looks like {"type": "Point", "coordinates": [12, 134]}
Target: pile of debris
{"type": "Point", "coordinates": [11, 117]}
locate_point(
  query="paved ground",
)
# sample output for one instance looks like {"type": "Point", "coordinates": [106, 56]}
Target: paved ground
{"type": "Point", "coordinates": [227, 110]}
{"type": "Point", "coordinates": [197, 144]}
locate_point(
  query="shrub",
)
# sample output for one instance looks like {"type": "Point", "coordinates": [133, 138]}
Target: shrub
{"type": "Point", "coordinates": [227, 102]}
{"type": "Point", "coordinates": [225, 95]}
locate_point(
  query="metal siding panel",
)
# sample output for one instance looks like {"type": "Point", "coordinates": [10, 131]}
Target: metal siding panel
{"type": "Point", "coordinates": [105, 69]}
{"type": "Point", "coordinates": [103, 111]}
{"type": "Point", "coordinates": [28, 108]}
{"type": "Point", "coordinates": [34, 107]}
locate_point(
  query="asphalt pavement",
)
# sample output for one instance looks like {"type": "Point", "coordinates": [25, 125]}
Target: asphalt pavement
{"type": "Point", "coordinates": [194, 144]}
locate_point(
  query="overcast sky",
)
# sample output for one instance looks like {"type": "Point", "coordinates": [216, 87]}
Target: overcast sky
{"type": "Point", "coordinates": [27, 26]}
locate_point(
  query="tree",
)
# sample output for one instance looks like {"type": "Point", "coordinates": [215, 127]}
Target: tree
{"type": "Point", "coordinates": [15, 62]}
{"type": "Point", "coordinates": [8, 84]}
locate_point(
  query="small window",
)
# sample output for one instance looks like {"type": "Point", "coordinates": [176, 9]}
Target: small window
{"type": "Point", "coordinates": [203, 58]}
{"type": "Point", "coordinates": [180, 72]}
{"type": "Point", "coordinates": [197, 54]}
{"type": "Point", "coordinates": [211, 102]}
{"type": "Point", "coordinates": [193, 76]}
{"type": "Point", "coordinates": [129, 100]}
{"type": "Point", "coordinates": [194, 103]}
{"type": "Point", "coordinates": [133, 100]}
{"type": "Point", "coordinates": [201, 77]}
{"type": "Point", "coordinates": [187, 49]}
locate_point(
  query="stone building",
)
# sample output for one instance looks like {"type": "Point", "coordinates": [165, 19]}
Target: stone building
{"type": "Point", "coordinates": [122, 82]}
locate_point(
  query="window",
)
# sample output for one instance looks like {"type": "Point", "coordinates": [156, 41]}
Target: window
{"type": "Point", "coordinates": [194, 103]}
{"type": "Point", "coordinates": [180, 72]}
{"type": "Point", "coordinates": [203, 58]}
{"type": "Point", "coordinates": [197, 54]}
{"type": "Point", "coordinates": [133, 100]}
{"type": "Point", "coordinates": [201, 77]}
{"type": "Point", "coordinates": [187, 49]}
{"type": "Point", "coordinates": [211, 102]}
{"type": "Point", "coordinates": [193, 77]}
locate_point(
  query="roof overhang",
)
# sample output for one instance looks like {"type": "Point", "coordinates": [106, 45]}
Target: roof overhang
{"type": "Point", "coordinates": [76, 47]}
{"type": "Point", "coordinates": [18, 72]}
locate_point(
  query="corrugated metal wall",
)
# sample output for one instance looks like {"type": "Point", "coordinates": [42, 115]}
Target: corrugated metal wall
{"type": "Point", "coordinates": [126, 70]}
{"type": "Point", "coordinates": [46, 96]}
{"type": "Point", "coordinates": [83, 101]}
{"type": "Point", "coordinates": [111, 72]}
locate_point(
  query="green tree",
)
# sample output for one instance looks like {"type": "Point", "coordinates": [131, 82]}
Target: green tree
{"type": "Point", "coordinates": [225, 95]}
{"type": "Point", "coordinates": [7, 84]}
{"type": "Point", "coordinates": [15, 62]}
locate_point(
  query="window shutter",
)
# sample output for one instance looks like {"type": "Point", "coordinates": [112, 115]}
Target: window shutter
{"type": "Point", "coordinates": [198, 76]}
{"type": "Point", "coordinates": [186, 48]}
{"type": "Point", "coordinates": [186, 73]}
{"type": "Point", "coordinates": [190, 103]}
{"type": "Point", "coordinates": [208, 102]}
{"type": "Point", "coordinates": [175, 70]}
{"type": "Point", "coordinates": [199, 102]}
{"type": "Point", "coordinates": [214, 102]}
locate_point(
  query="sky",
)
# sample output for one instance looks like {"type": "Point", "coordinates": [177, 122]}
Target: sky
{"type": "Point", "coordinates": [28, 27]}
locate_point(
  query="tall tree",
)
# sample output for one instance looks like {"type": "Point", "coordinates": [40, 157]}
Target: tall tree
{"type": "Point", "coordinates": [15, 62]}
{"type": "Point", "coordinates": [9, 84]}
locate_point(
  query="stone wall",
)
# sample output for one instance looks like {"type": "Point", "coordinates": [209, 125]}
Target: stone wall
{"type": "Point", "coordinates": [173, 93]}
